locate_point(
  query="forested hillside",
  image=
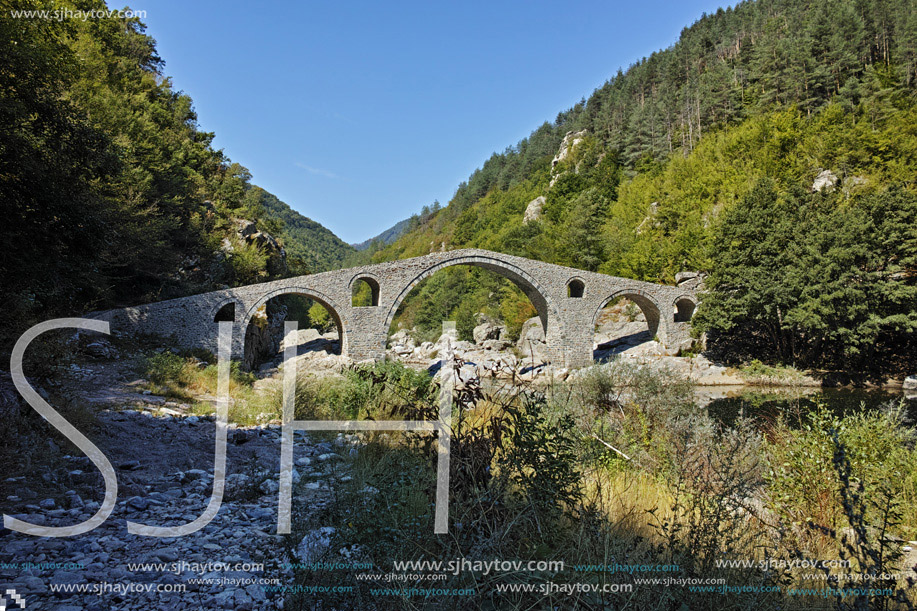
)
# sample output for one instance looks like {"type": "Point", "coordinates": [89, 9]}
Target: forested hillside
{"type": "Point", "coordinates": [746, 110]}
{"type": "Point", "coordinates": [111, 193]}
{"type": "Point", "coordinates": [311, 247]}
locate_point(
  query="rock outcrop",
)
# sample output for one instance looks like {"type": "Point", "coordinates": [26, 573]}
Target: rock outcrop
{"type": "Point", "coordinates": [248, 232]}
{"type": "Point", "coordinates": [565, 153]}
{"type": "Point", "coordinates": [264, 335]}
{"type": "Point", "coordinates": [826, 180]}
{"type": "Point", "coordinates": [690, 280]}
{"type": "Point", "coordinates": [487, 330]}
{"type": "Point", "coordinates": [566, 147]}
{"type": "Point", "coordinates": [533, 210]}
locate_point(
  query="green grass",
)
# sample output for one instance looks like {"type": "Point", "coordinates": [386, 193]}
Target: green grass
{"type": "Point", "coordinates": [188, 377]}
{"type": "Point", "coordinates": [757, 373]}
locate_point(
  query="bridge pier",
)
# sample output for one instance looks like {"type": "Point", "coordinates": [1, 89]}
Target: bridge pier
{"type": "Point", "coordinates": [366, 333]}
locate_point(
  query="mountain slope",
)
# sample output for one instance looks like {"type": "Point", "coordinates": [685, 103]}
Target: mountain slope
{"type": "Point", "coordinates": [386, 237]}
{"type": "Point", "coordinates": [310, 245]}
{"type": "Point", "coordinates": [636, 180]}
{"type": "Point", "coordinates": [728, 67]}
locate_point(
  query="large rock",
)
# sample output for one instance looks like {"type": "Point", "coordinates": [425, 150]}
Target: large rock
{"type": "Point", "coordinates": [264, 336]}
{"type": "Point", "coordinates": [402, 349]}
{"type": "Point", "coordinates": [910, 382]}
{"type": "Point", "coordinates": [301, 336]}
{"type": "Point", "coordinates": [487, 330]}
{"type": "Point", "coordinates": [531, 343]}
{"type": "Point", "coordinates": [826, 180]}
{"type": "Point", "coordinates": [533, 210]}
{"type": "Point", "coordinates": [690, 280]}
{"type": "Point", "coordinates": [245, 228]}
{"type": "Point", "coordinates": [566, 147]}
{"type": "Point", "coordinates": [450, 336]}
{"type": "Point", "coordinates": [402, 338]}
{"type": "Point", "coordinates": [495, 345]}
{"type": "Point", "coordinates": [532, 330]}
{"type": "Point", "coordinates": [621, 332]}
{"type": "Point", "coordinates": [425, 351]}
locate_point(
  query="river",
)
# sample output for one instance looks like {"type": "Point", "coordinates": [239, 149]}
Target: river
{"type": "Point", "coordinates": [766, 404]}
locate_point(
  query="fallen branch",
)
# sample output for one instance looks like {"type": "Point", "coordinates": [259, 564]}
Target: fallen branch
{"type": "Point", "coordinates": [609, 446]}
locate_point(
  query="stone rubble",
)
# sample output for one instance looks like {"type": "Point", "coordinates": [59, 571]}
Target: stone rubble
{"type": "Point", "coordinates": [241, 534]}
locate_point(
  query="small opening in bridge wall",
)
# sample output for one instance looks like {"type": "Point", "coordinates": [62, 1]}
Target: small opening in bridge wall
{"type": "Point", "coordinates": [575, 288]}
{"type": "Point", "coordinates": [226, 314]}
{"type": "Point", "coordinates": [365, 293]}
{"type": "Point", "coordinates": [684, 310]}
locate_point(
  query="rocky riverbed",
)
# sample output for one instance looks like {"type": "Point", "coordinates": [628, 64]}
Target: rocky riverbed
{"type": "Point", "coordinates": [163, 457]}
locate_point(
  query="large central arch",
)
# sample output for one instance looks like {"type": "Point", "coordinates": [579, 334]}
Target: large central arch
{"type": "Point", "coordinates": [545, 307]}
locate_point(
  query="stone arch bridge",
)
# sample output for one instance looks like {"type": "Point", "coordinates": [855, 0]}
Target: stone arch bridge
{"type": "Point", "coordinates": [568, 302]}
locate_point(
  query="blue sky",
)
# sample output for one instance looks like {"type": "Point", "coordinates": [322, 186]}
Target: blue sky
{"type": "Point", "coordinates": [359, 113]}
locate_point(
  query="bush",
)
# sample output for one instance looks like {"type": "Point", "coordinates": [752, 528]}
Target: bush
{"type": "Point", "coordinates": [633, 410]}
{"type": "Point", "coordinates": [165, 368]}
{"type": "Point", "coordinates": [248, 263]}
{"type": "Point", "coordinates": [803, 479]}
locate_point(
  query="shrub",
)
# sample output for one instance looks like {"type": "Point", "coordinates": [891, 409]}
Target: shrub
{"type": "Point", "coordinates": [804, 481]}
{"type": "Point", "coordinates": [248, 262]}
{"type": "Point", "coordinates": [166, 367]}
{"type": "Point", "coordinates": [633, 410]}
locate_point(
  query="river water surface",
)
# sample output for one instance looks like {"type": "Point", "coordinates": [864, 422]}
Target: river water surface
{"type": "Point", "coordinates": [766, 404]}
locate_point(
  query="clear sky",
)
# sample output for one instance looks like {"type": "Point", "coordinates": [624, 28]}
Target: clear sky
{"type": "Point", "coordinates": [358, 113]}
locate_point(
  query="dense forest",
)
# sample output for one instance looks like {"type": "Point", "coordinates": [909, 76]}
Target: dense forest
{"type": "Point", "coordinates": [111, 193]}
{"type": "Point", "coordinates": [675, 163]}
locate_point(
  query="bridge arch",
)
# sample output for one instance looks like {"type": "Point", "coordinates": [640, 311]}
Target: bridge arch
{"type": "Point", "coordinates": [683, 307]}
{"type": "Point", "coordinates": [327, 302]}
{"type": "Point", "coordinates": [576, 288]}
{"type": "Point", "coordinates": [645, 302]}
{"type": "Point", "coordinates": [539, 297]}
{"type": "Point", "coordinates": [226, 310]}
{"type": "Point", "coordinates": [372, 281]}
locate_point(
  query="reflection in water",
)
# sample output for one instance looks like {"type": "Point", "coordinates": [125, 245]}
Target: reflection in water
{"type": "Point", "coordinates": [765, 405]}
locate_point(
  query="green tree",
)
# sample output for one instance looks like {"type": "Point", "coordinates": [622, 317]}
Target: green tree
{"type": "Point", "coordinates": [584, 246]}
{"type": "Point", "coordinates": [809, 280]}
{"type": "Point", "coordinates": [754, 279]}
